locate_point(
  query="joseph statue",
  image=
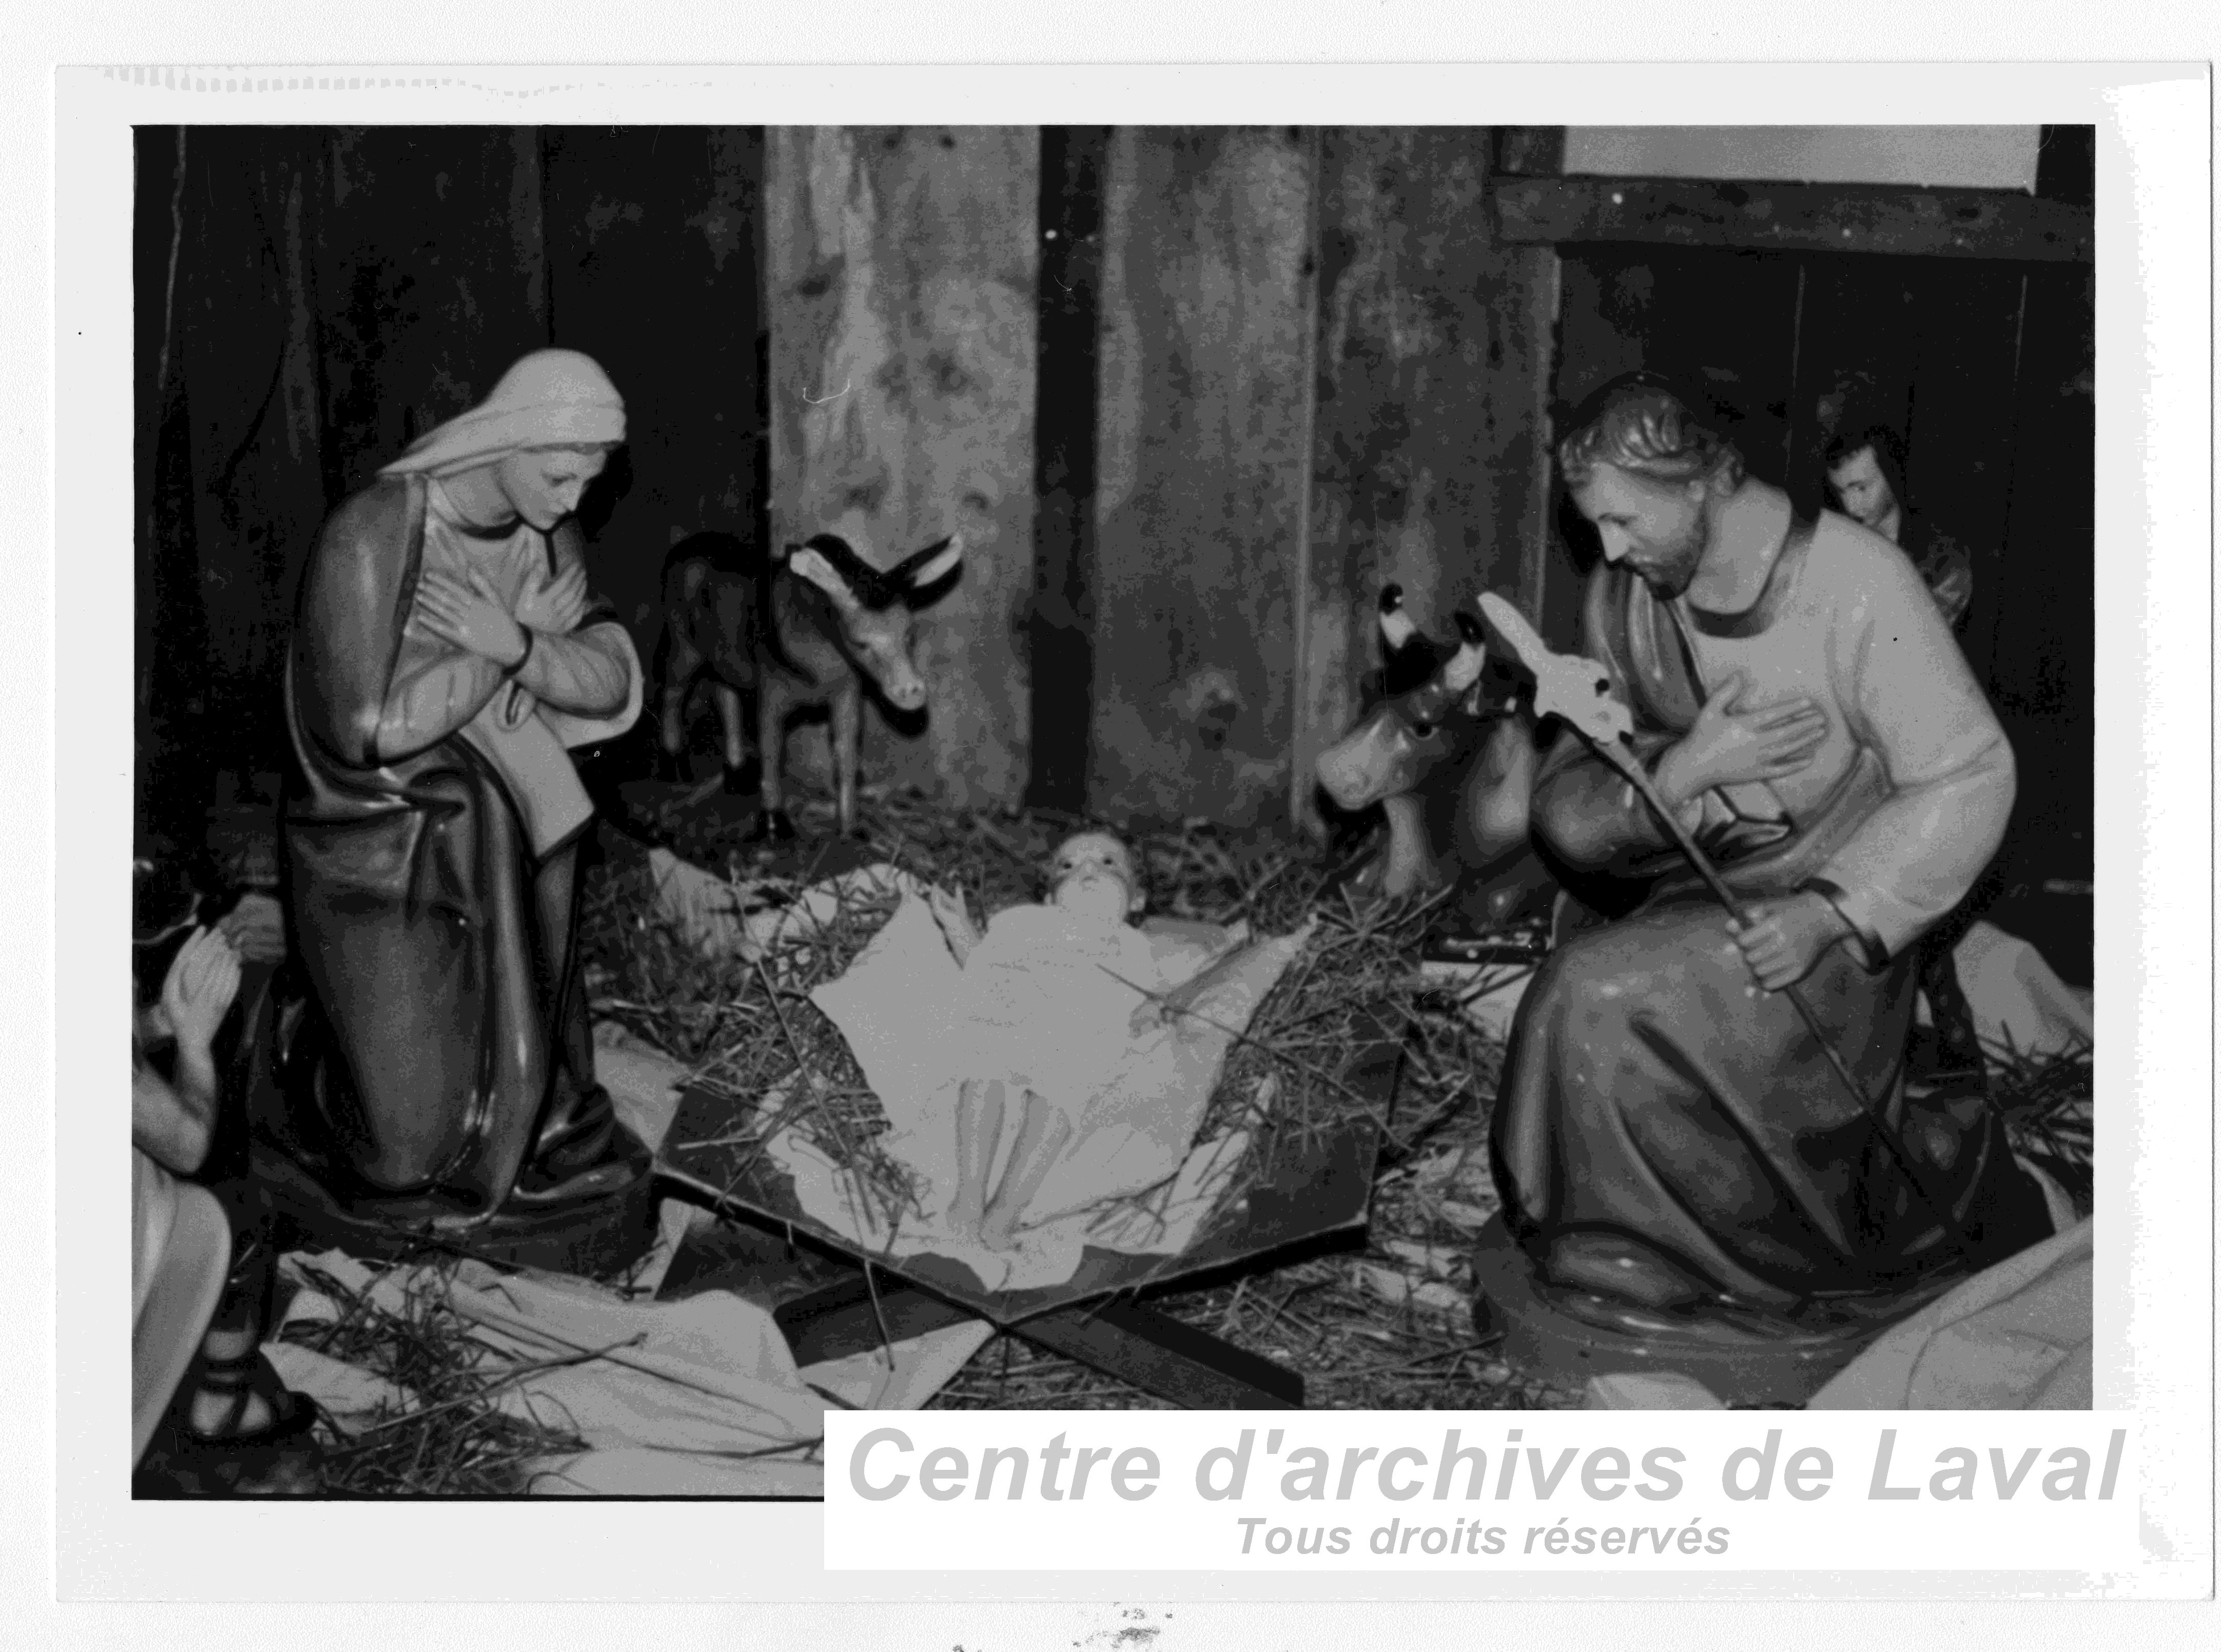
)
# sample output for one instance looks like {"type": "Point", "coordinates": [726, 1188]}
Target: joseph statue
{"type": "Point", "coordinates": [446, 659]}
{"type": "Point", "coordinates": [1671, 1143]}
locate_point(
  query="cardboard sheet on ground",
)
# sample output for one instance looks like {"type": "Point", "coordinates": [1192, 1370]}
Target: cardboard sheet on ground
{"type": "Point", "coordinates": [1309, 1187]}
{"type": "Point", "coordinates": [1049, 1004]}
{"type": "Point", "coordinates": [1305, 1185]}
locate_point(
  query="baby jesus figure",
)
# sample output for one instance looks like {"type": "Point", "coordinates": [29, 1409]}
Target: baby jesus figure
{"type": "Point", "coordinates": [1054, 999]}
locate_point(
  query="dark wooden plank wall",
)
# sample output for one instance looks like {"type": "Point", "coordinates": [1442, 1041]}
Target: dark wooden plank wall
{"type": "Point", "coordinates": [1276, 366]}
{"type": "Point", "coordinates": [1424, 434]}
{"type": "Point", "coordinates": [326, 295]}
{"type": "Point", "coordinates": [339, 291]}
{"type": "Point", "coordinates": [1202, 454]}
{"type": "Point", "coordinates": [890, 366]}
{"type": "Point", "coordinates": [1985, 368]}
{"type": "Point", "coordinates": [652, 253]}
{"type": "Point", "coordinates": [1320, 370]}
{"type": "Point", "coordinates": [1230, 457]}
{"type": "Point", "coordinates": [1267, 369]}
{"type": "Point", "coordinates": [901, 277]}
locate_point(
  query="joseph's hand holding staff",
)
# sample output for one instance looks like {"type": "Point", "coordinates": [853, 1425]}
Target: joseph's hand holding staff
{"type": "Point", "coordinates": [1782, 940]}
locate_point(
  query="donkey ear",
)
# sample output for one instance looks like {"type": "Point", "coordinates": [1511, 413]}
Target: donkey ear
{"type": "Point", "coordinates": [812, 565]}
{"type": "Point", "coordinates": [1397, 629]}
{"type": "Point", "coordinates": [933, 564]}
{"type": "Point", "coordinates": [1462, 669]}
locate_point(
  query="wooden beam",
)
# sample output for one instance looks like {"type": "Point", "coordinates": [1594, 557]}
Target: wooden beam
{"type": "Point", "coordinates": [1153, 1351]}
{"type": "Point", "coordinates": [1530, 151]}
{"type": "Point", "coordinates": [1532, 295]}
{"type": "Point", "coordinates": [1167, 1357]}
{"type": "Point", "coordinates": [1811, 217]}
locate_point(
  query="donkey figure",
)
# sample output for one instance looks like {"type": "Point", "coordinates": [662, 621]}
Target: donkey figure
{"type": "Point", "coordinates": [812, 627]}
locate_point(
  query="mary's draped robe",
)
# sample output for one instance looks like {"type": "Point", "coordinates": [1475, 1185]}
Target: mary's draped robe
{"type": "Point", "coordinates": [1669, 1136]}
{"type": "Point", "coordinates": [433, 867]}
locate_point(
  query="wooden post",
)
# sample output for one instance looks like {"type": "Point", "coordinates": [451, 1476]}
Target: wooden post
{"type": "Point", "coordinates": [1305, 733]}
{"type": "Point", "coordinates": [1549, 587]}
{"type": "Point", "coordinates": [1061, 630]}
{"type": "Point", "coordinates": [1205, 306]}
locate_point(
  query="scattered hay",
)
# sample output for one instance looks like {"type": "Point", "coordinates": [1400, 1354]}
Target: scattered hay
{"type": "Point", "coordinates": [747, 1029]}
{"type": "Point", "coordinates": [2046, 1103]}
{"type": "Point", "coordinates": [454, 1438]}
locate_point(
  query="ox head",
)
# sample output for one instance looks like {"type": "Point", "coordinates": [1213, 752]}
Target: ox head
{"type": "Point", "coordinates": [1393, 745]}
{"type": "Point", "coordinates": [878, 608]}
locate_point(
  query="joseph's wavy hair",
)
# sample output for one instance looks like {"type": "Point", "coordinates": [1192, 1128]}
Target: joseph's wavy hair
{"type": "Point", "coordinates": [1646, 425]}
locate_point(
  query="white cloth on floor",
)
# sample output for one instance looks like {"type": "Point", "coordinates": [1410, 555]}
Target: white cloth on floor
{"type": "Point", "coordinates": [1046, 1002]}
{"type": "Point", "coordinates": [644, 1084]}
{"type": "Point", "coordinates": [710, 1373]}
{"type": "Point", "coordinates": [697, 1398]}
{"type": "Point", "coordinates": [903, 1377]}
{"type": "Point", "coordinates": [2058, 1203]}
{"type": "Point", "coordinates": [2019, 1002]}
{"type": "Point", "coordinates": [2015, 1337]}
{"type": "Point", "coordinates": [352, 1398]}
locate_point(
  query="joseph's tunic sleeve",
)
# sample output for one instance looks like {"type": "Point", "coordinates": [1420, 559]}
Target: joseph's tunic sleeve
{"type": "Point", "coordinates": [1906, 689]}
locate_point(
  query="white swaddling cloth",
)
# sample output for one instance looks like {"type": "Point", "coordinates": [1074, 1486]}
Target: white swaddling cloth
{"type": "Point", "coordinates": [1046, 999]}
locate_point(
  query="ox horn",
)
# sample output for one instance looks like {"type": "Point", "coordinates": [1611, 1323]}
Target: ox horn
{"type": "Point", "coordinates": [1426, 704]}
{"type": "Point", "coordinates": [1396, 627]}
{"type": "Point", "coordinates": [922, 570]}
{"type": "Point", "coordinates": [1462, 669]}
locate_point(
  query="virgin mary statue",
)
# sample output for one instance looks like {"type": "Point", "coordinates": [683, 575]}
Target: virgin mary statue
{"type": "Point", "coordinates": [446, 661]}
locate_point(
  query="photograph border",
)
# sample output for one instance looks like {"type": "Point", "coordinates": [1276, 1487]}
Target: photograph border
{"type": "Point", "coordinates": [2153, 651]}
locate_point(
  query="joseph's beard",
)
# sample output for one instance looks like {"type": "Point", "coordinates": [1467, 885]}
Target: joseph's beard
{"type": "Point", "coordinates": [1671, 577]}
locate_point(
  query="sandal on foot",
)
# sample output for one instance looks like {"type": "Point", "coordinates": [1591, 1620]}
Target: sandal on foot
{"type": "Point", "coordinates": [278, 1458]}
